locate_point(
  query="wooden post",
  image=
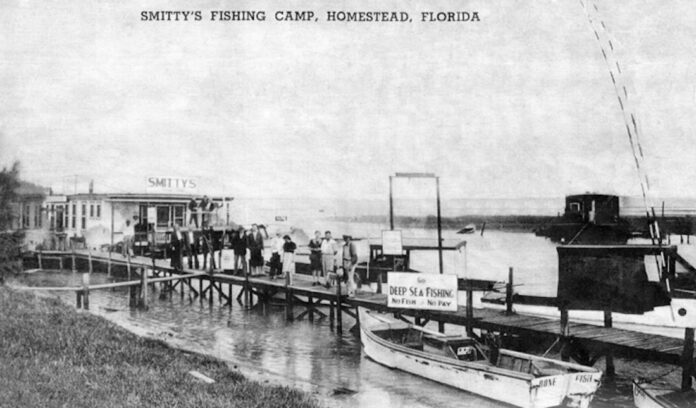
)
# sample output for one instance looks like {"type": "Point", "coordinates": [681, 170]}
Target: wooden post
{"type": "Point", "coordinates": [565, 352]}
{"type": "Point", "coordinates": [74, 266]}
{"type": "Point", "coordinates": [331, 314]}
{"type": "Point", "coordinates": [687, 360]}
{"type": "Point", "coordinates": [391, 204]}
{"type": "Point", "coordinates": [229, 294]}
{"type": "Point", "coordinates": [38, 256]}
{"type": "Point", "coordinates": [289, 313]}
{"type": "Point", "coordinates": [132, 296]}
{"type": "Point", "coordinates": [508, 293]}
{"type": "Point", "coordinates": [609, 356]}
{"type": "Point", "coordinates": [89, 256]}
{"type": "Point", "coordinates": [60, 262]}
{"type": "Point", "coordinates": [108, 265]}
{"type": "Point", "coordinates": [78, 299]}
{"type": "Point", "coordinates": [469, 308]}
{"type": "Point", "coordinates": [85, 290]}
{"type": "Point", "coordinates": [128, 265]}
{"type": "Point", "coordinates": [143, 287]}
{"type": "Point", "coordinates": [111, 246]}
{"type": "Point", "coordinates": [247, 291]}
{"type": "Point", "coordinates": [339, 308]}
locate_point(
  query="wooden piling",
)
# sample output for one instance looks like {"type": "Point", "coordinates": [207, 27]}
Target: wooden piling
{"type": "Point", "coordinates": [89, 257]}
{"type": "Point", "coordinates": [78, 299]}
{"type": "Point", "coordinates": [108, 265]}
{"type": "Point", "coordinates": [143, 288]}
{"type": "Point", "coordinates": [565, 346]}
{"type": "Point", "coordinates": [469, 308]}
{"type": "Point", "coordinates": [73, 264]}
{"type": "Point", "coordinates": [60, 262]}
{"type": "Point", "coordinates": [38, 257]}
{"type": "Point", "coordinates": [85, 290]}
{"type": "Point", "coordinates": [289, 313]}
{"type": "Point", "coordinates": [128, 266]}
{"type": "Point", "coordinates": [508, 293]}
{"type": "Point", "coordinates": [609, 355]}
{"type": "Point", "coordinates": [331, 313]}
{"type": "Point", "coordinates": [687, 360]}
{"type": "Point", "coordinates": [339, 308]}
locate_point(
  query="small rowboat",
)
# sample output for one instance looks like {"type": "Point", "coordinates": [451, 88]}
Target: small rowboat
{"type": "Point", "coordinates": [649, 395]}
{"type": "Point", "coordinates": [514, 378]}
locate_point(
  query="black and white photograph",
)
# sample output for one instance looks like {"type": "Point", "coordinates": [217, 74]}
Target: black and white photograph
{"type": "Point", "coordinates": [300, 203]}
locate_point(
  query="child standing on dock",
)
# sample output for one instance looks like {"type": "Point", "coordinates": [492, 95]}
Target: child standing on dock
{"type": "Point", "coordinates": [315, 257]}
{"type": "Point", "coordinates": [328, 257]}
{"type": "Point", "coordinates": [289, 248]}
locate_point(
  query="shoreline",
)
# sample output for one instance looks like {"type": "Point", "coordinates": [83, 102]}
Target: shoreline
{"type": "Point", "coordinates": [64, 356]}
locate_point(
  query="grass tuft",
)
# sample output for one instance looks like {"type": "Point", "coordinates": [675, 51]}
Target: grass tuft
{"type": "Point", "coordinates": [53, 356]}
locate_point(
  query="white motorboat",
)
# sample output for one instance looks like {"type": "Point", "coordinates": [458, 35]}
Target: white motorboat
{"type": "Point", "coordinates": [519, 379]}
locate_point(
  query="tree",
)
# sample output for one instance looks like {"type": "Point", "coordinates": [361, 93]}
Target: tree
{"type": "Point", "coordinates": [10, 242]}
{"type": "Point", "coordinates": [9, 182]}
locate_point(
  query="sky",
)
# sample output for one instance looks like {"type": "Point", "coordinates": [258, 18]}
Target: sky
{"type": "Point", "coordinates": [520, 104]}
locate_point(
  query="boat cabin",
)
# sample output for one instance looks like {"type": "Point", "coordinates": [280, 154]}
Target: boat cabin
{"type": "Point", "coordinates": [599, 209]}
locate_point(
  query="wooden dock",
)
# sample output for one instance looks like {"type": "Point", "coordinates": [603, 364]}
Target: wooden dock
{"type": "Point", "coordinates": [583, 342]}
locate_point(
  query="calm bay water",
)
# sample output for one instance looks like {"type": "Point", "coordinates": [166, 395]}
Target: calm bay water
{"type": "Point", "coordinates": [310, 355]}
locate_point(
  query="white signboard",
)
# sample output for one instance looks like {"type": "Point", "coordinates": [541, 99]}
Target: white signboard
{"type": "Point", "coordinates": [391, 242]}
{"type": "Point", "coordinates": [422, 291]}
{"type": "Point", "coordinates": [172, 185]}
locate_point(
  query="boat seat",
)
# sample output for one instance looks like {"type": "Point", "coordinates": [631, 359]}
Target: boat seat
{"type": "Point", "coordinates": [414, 345]}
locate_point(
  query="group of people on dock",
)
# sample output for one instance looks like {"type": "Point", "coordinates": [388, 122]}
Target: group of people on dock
{"type": "Point", "coordinates": [248, 249]}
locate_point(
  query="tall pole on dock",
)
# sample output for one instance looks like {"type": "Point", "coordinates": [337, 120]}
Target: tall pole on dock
{"type": "Point", "coordinates": [391, 204]}
{"type": "Point", "coordinates": [439, 225]}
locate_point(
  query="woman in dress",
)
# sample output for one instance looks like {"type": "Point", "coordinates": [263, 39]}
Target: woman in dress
{"type": "Point", "coordinates": [255, 245]}
{"type": "Point", "coordinates": [289, 248]}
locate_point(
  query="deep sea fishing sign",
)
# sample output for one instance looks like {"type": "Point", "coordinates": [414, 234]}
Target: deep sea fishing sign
{"type": "Point", "coordinates": [422, 291]}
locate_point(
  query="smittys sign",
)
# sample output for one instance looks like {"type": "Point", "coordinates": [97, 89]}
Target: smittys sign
{"type": "Point", "coordinates": [169, 185]}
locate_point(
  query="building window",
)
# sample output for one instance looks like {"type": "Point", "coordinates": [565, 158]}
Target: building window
{"type": "Point", "coordinates": [575, 207]}
{"type": "Point", "coordinates": [25, 216]}
{"type": "Point", "coordinates": [179, 215]}
{"type": "Point", "coordinates": [84, 216]}
{"type": "Point", "coordinates": [37, 216]}
{"type": "Point", "coordinates": [73, 216]}
{"type": "Point", "coordinates": [98, 210]}
{"type": "Point", "coordinates": [163, 215]}
{"type": "Point", "coordinates": [52, 216]}
{"type": "Point", "coordinates": [91, 211]}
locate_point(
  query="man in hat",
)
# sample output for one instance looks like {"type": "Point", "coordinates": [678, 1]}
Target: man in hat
{"type": "Point", "coordinates": [350, 261]}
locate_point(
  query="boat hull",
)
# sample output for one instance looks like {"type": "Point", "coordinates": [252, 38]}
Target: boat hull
{"type": "Point", "coordinates": [497, 384]}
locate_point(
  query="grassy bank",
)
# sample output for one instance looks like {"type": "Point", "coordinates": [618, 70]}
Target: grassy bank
{"type": "Point", "coordinates": [53, 356]}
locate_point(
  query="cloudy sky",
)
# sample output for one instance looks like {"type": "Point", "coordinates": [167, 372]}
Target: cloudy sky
{"type": "Point", "coordinates": [520, 104]}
